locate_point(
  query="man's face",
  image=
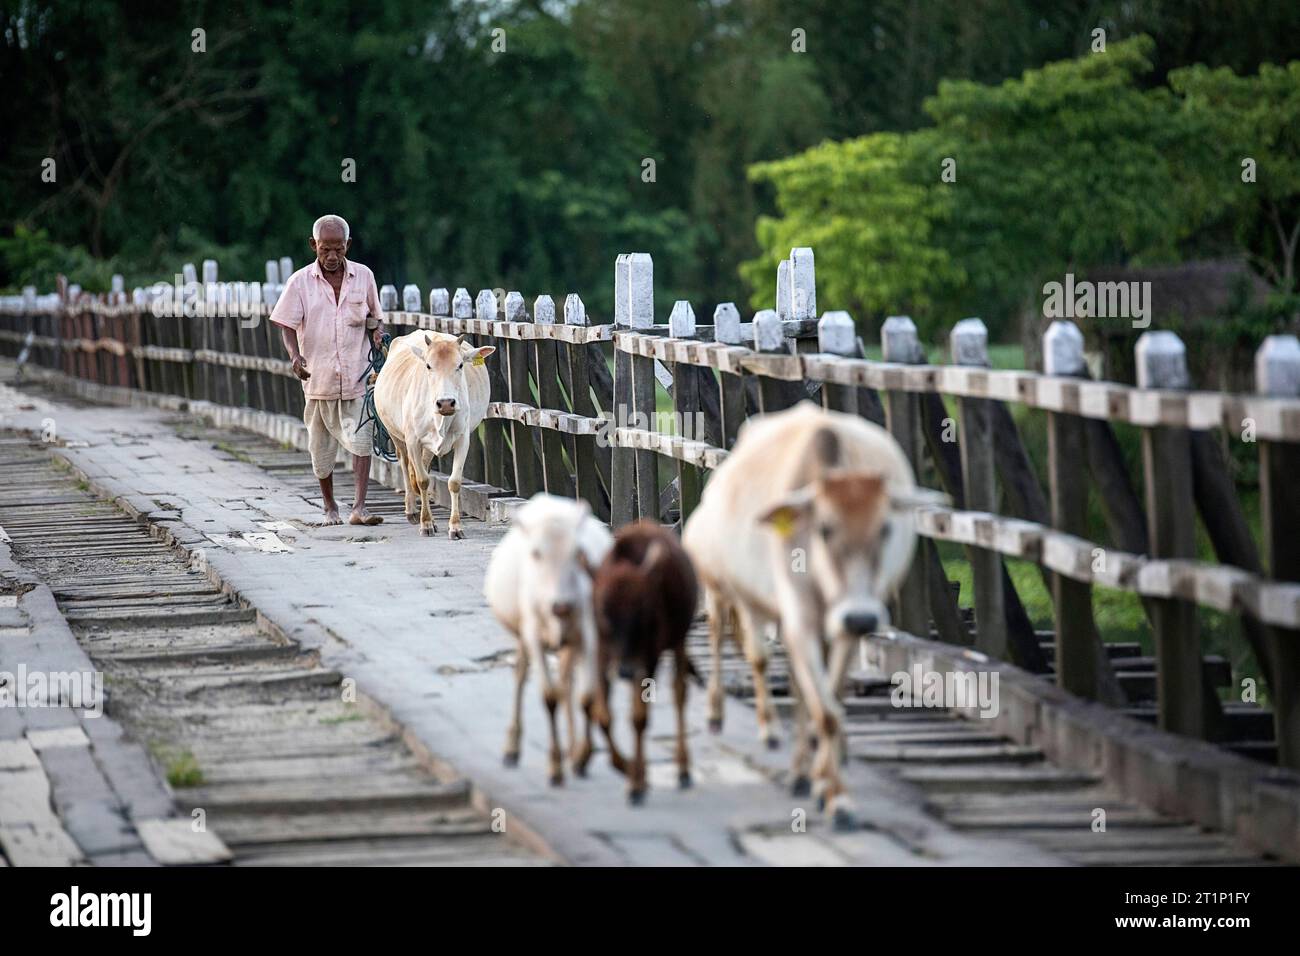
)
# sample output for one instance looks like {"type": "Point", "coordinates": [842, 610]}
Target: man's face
{"type": "Point", "coordinates": [331, 247]}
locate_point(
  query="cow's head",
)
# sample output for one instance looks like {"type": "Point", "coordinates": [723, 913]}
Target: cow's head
{"type": "Point", "coordinates": [447, 358]}
{"type": "Point", "coordinates": [555, 562]}
{"type": "Point", "coordinates": [857, 536]}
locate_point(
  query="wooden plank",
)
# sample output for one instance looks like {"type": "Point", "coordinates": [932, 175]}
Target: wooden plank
{"type": "Point", "coordinates": [1167, 466]}
{"type": "Point", "coordinates": [527, 479]}
{"type": "Point", "coordinates": [1278, 374]}
{"type": "Point", "coordinates": [643, 411]}
{"type": "Point", "coordinates": [556, 477]}
{"type": "Point", "coordinates": [592, 482]}
{"type": "Point", "coordinates": [1081, 663]}
{"type": "Point", "coordinates": [969, 340]}
{"type": "Point", "coordinates": [687, 410]}
{"type": "Point", "coordinates": [902, 417]}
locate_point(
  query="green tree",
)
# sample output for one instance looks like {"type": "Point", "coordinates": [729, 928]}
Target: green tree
{"type": "Point", "coordinates": [1069, 166]}
{"type": "Point", "coordinates": [1250, 159]}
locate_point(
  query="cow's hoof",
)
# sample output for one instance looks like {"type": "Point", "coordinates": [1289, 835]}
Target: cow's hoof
{"type": "Point", "coordinates": [557, 779]}
{"type": "Point", "coordinates": [428, 532]}
{"type": "Point", "coordinates": [801, 787]}
{"type": "Point", "coordinates": [455, 534]}
{"type": "Point", "coordinates": [511, 760]}
{"type": "Point", "coordinates": [843, 820]}
{"type": "Point", "coordinates": [773, 742]}
{"type": "Point", "coordinates": [636, 797]}
{"type": "Point", "coordinates": [715, 725]}
{"type": "Point", "coordinates": [684, 780]}
{"type": "Point", "coordinates": [413, 517]}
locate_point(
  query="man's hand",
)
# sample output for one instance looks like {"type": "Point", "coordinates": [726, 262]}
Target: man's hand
{"type": "Point", "coordinates": [300, 368]}
{"type": "Point", "coordinates": [377, 336]}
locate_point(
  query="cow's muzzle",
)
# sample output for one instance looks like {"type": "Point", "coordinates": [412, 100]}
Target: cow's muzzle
{"type": "Point", "coordinates": [446, 406]}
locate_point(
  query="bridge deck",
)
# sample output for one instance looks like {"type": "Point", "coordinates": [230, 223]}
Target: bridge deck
{"type": "Point", "coordinates": [404, 617]}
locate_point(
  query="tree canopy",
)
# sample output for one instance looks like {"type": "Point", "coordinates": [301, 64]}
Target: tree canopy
{"type": "Point", "coordinates": [1073, 165]}
{"type": "Point", "coordinates": [505, 142]}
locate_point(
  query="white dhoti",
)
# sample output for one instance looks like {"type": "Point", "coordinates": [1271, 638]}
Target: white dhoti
{"type": "Point", "coordinates": [332, 423]}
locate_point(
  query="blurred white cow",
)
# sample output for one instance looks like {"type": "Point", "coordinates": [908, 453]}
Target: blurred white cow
{"type": "Point", "coordinates": [539, 586]}
{"type": "Point", "coordinates": [431, 395]}
{"type": "Point", "coordinates": [806, 524]}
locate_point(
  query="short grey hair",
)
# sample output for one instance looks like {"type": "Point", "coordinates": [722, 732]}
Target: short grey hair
{"type": "Point", "coordinates": [330, 219]}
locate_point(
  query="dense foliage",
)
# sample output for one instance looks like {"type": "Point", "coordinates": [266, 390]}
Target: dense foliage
{"type": "Point", "coordinates": [523, 167]}
{"type": "Point", "coordinates": [1071, 166]}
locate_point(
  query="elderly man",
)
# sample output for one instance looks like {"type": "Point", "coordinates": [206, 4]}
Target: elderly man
{"type": "Point", "coordinates": [325, 310]}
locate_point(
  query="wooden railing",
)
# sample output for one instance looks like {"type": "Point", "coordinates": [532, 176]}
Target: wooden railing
{"type": "Point", "coordinates": [560, 421]}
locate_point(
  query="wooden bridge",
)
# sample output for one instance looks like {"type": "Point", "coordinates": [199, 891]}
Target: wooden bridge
{"type": "Point", "coordinates": [631, 415]}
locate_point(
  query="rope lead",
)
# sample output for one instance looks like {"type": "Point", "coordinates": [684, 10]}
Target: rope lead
{"type": "Point", "coordinates": [381, 443]}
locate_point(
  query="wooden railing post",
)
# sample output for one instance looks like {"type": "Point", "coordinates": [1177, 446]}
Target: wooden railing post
{"type": "Point", "coordinates": [726, 330]}
{"type": "Point", "coordinates": [1171, 520]}
{"type": "Point", "coordinates": [1077, 662]}
{"type": "Point", "coordinates": [590, 463]}
{"type": "Point", "coordinates": [555, 474]}
{"type": "Point", "coordinates": [837, 335]}
{"type": "Point", "coordinates": [900, 344]}
{"type": "Point", "coordinates": [969, 344]}
{"type": "Point", "coordinates": [774, 394]}
{"type": "Point", "coordinates": [1277, 373]}
{"type": "Point", "coordinates": [622, 491]}
{"type": "Point", "coordinates": [686, 409]}
{"type": "Point", "coordinates": [527, 480]}
{"type": "Point", "coordinates": [641, 315]}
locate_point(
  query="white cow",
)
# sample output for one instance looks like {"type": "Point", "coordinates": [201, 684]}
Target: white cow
{"type": "Point", "coordinates": [431, 395]}
{"type": "Point", "coordinates": [801, 526]}
{"type": "Point", "coordinates": [539, 586]}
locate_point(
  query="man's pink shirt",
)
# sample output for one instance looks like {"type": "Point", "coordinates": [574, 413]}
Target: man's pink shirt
{"type": "Point", "coordinates": [331, 335]}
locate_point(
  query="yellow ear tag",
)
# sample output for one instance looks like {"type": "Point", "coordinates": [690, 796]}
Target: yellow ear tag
{"type": "Point", "coordinates": [478, 359]}
{"type": "Point", "coordinates": [783, 522]}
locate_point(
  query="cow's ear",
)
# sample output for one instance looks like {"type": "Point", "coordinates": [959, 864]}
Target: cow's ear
{"type": "Point", "coordinates": [417, 351]}
{"type": "Point", "coordinates": [482, 353]}
{"type": "Point", "coordinates": [790, 513]}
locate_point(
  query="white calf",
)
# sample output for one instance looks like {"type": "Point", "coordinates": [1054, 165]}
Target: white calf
{"type": "Point", "coordinates": [539, 586]}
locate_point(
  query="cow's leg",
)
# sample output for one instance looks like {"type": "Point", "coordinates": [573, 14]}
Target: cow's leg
{"type": "Point", "coordinates": [841, 653]}
{"type": "Point", "coordinates": [800, 782]}
{"type": "Point", "coordinates": [679, 699]}
{"type": "Point", "coordinates": [453, 485]}
{"type": "Point", "coordinates": [515, 730]}
{"type": "Point", "coordinates": [640, 718]}
{"type": "Point", "coordinates": [800, 629]}
{"type": "Point", "coordinates": [716, 609]}
{"type": "Point", "coordinates": [550, 694]}
{"type": "Point", "coordinates": [751, 629]}
{"type": "Point", "coordinates": [424, 479]}
{"type": "Point", "coordinates": [586, 686]}
{"type": "Point", "coordinates": [603, 716]}
{"type": "Point", "coordinates": [568, 656]}
{"type": "Point", "coordinates": [408, 483]}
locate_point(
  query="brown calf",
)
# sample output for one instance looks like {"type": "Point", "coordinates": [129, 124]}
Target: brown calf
{"type": "Point", "coordinates": [645, 594]}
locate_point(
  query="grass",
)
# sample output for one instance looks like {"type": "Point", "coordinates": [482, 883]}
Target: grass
{"type": "Point", "coordinates": [180, 766]}
{"type": "Point", "coordinates": [344, 719]}
{"type": "Point", "coordinates": [232, 451]}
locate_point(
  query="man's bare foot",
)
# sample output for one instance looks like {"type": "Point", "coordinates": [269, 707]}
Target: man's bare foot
{"type": "Point", "coordinates": [331, 516]}
{"type": "Point", "coordinates": [363, 516]}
